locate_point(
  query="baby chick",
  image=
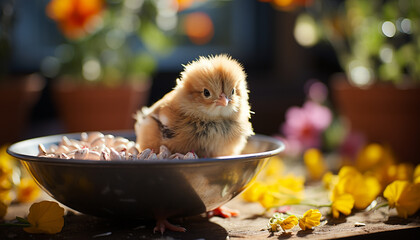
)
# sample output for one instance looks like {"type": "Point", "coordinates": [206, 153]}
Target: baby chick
{"type": "Point", "coordinates": [207, 112]}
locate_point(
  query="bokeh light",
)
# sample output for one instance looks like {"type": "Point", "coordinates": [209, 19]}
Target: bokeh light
{"type": "Point", "coordinates": [406, 26]}
{"type": "Point", "coordinates": [133, 4]}
{"type": "Point", "coordinates": [388, 29]}
{"type": "Point", "coordinates": [360, 75]}
{"type": "Point", "coordinates": [129, 23]}
{"type": "Point", "coordinates": [167, 19]}
{"type": "Point", "coordinates": [305, 31]}
{"type": "Point", "coordinates": [199, 27]}
{"type": "Point", "coordinates": [91, 69]}
{"type": "Point", "coordinates": [115, 38]}
{"type": "Point", "coordinates": [386, 54]}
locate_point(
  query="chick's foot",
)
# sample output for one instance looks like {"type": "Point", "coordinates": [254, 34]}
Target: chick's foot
{"type": "Point", "coordinates": [224, 212]}
{"type": "Point", "coordinates": [163, 224]}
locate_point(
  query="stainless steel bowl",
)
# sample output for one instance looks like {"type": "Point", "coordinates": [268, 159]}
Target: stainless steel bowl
{"type": "Point", "coordinates": [144, 189]}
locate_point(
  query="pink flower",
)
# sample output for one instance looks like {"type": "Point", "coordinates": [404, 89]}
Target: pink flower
{"type": "Point", "coordinates": [305, 125]}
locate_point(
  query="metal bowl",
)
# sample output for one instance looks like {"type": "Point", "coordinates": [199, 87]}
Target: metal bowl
{"type": "Point", "coordinates": [144, 189]}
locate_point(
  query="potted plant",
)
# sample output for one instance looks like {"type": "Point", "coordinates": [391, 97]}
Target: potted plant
{"type": "Point", "coordinates": [377, 45]}
{"type": "Point", "coordinates": [18, 92]}
{"type": "Point", "coordinates": [103, 69]}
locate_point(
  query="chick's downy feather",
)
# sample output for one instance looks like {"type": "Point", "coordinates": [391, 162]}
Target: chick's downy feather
{"type": "Point", "coordinates": [207, 112]}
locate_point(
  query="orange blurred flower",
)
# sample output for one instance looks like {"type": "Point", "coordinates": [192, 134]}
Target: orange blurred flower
{"type": "Point", "coordinates": [75, 17]}
{"type": "Point", "coordinates": [199, 27]}
{"type": "Point", "coordinates": [288, 5]}
{"type": "Point", "coordinates": [184, 4]}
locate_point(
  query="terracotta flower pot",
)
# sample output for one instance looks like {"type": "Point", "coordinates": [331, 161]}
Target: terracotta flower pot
{"type": "Point", "coordinates": [384, 113]}
{"type": "Point", "coordinates": [18, 95]}
{"type": "Point", "coordinates": [99, 108]}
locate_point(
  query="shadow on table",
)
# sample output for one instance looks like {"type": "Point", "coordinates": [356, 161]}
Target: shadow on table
{"type": "Point", "coordinates": [393, 220]}
{"type": "Point", "coordinates": [88, 227]}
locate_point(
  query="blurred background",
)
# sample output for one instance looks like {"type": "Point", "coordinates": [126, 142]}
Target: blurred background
{"type": "Point", "coordinates": [321, 73]}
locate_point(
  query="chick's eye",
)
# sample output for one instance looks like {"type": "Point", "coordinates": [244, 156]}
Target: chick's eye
{"type": "Point", "coordinates": [206, 93]}
{"type": "Point", "coordinates": [233, 91]}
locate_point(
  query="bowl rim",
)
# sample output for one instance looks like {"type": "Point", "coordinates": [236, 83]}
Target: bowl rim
{"type": "Point", "coordinates": [13, 151]}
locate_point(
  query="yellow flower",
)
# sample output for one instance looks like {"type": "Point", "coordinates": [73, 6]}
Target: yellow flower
{"type": "Point", "coordinates": [262, 193]}
{"type": "Point", "coordinates": [6, 161]}
{"type": "Point", "coordinates": [347, 171]}
{"type": "Point", "coordinates": [27, 190]}
{"type": "Point", "coordinates": [5, 189]}
{"type": "Point", "coordinates": [269, 200]}
{"type": "Point", "coordinates": [329, 180]}
{"type": "Point", "coordinates": [404, 196]}
{"type": "Point", "coordinates": [388, 173]}
{"type": "Point", "coordinates": [273, 223]}
{"type": "Point", "coordinates": [310, 219]}
{"type": "Point", "coordinates": [45, 217]}
{"type": "Point", "coordinates": [291, 183]}
{"type": "Point", "coordinates": [363, 188]}
{"type": "Point", "coordinates": [402, 171]}
{"type": "Point", "coordinates": [3, 209]}
{"type": "Point", "coordinates": [372, 156]}
{"type": "Point", "coordinates": [315, 164]}
{"type": "Point", "coordinates": [7, 164]}
{"type": "Point", "coordinates": [254, 192]}
{"type": "Point", "coordinates": [341, 202]}
{"type": "Point", "coordinates": [274, 167]}
{"type": "Point", "coordinates": [289, 222]}
{"type": "Point", "coordinates": [283, 221]}
{"type": "Point", "coordinates": [276, 192]}
{"type": "Point", "coordinates": [416, 174]}
{"type": "Point", "coordinates": [288, 190]}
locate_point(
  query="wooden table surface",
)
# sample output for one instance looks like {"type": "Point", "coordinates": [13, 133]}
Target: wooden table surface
{"type": "Point", "coordinates": [250, 224]}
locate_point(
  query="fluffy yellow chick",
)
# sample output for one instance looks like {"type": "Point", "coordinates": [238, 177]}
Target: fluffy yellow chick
{"type": "Point", "coordinates": [207, 112]}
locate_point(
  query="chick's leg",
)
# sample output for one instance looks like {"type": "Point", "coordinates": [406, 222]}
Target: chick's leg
{"type": "Point", "coordinates": [163, 224]}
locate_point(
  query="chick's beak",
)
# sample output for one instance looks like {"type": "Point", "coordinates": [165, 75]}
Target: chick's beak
{"type": "Point", "coordinates": [222, 100]}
